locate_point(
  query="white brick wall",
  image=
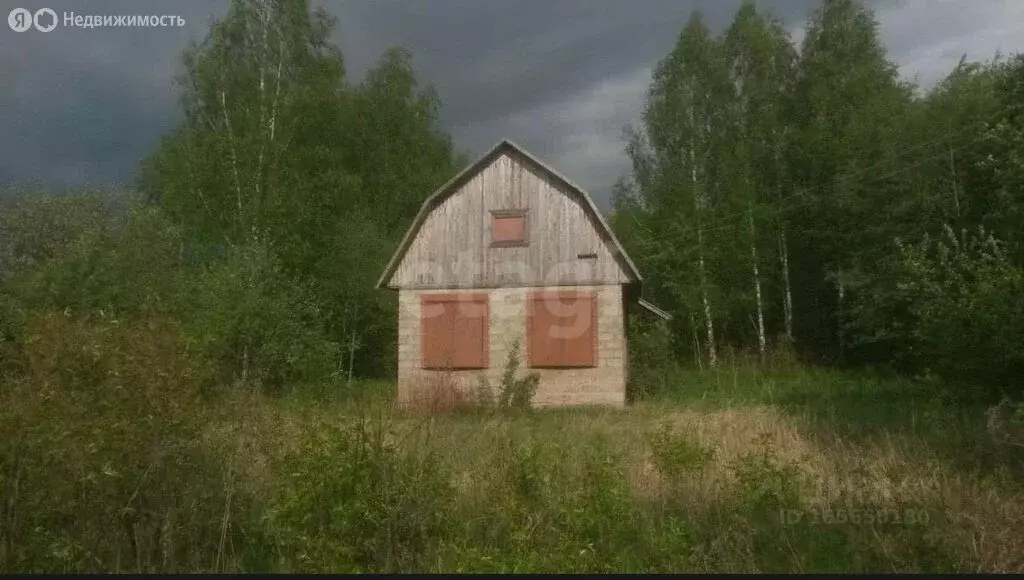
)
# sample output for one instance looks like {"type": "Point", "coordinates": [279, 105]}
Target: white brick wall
{"type": "Point", "coordinates": [604, 384]}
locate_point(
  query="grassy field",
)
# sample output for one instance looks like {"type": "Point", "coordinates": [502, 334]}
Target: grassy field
{"type": "Point", "coordinates": [739, 470]}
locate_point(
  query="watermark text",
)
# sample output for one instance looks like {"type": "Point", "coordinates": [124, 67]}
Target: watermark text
{"type": "Point", "coordinates": [46, 19]}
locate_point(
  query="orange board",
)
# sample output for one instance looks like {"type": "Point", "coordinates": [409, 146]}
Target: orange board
{"type": "Point", "coordinates": [561, 329]}
{"type": "Point", "coordinates": [455, 331]}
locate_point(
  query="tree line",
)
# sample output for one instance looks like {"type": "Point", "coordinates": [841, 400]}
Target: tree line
{"type": "Point", "coordinates": [808, 198]}
{"type": "Point", "coordinates": [781, 197]}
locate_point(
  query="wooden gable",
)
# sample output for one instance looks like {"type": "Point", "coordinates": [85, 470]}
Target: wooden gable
{"type": "Point", "coordinates": [508, 220]}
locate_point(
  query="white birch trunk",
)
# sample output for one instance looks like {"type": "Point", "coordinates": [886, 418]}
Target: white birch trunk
{"type": "Point", "coordinates": [232, 151]}
{"type": "Point", "coordinates": [761, 346]}
{"type": "Point", "coordinates": [696, 345]}
{"type": "Point", "coordinates": [709, 323]}
{"type": "Point", "coordinates": [787, 298]}
{"type": "Point", "coordinates": [257, 177]}
{"type": "Point", "coordinates": [787, 290]}
{"type": "Point", "coordinates": [708, 319]}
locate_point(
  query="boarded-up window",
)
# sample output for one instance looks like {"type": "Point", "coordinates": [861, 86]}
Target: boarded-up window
{"type": "Point", "coordinates": [508, 227]}
{"type": "Point", "coordinates": [561, 329]}
{"type": "Point", "coordinates": [454, 331]}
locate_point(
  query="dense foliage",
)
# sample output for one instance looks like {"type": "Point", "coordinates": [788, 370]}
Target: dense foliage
{"type": "Point", "coordinates": [284, 170]}
{"type": "Point", "coordinates": [791, 198]}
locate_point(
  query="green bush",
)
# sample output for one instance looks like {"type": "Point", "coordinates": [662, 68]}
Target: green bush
{"type": "Point", "coordinates": [547, 508]}
{"type": "Point", "coordinates": [678, 456]}
{"type": "Point", "coordinates": [39, 228]}
{"type": "Point", "coordinates": [513, 392]}
{"type": "Point", "coordinates": [353, 501]}
{"type": "Point", "coordinates": [951, 306]}
{"type": "Point", "coordinates": [256, 324]}
{"type": "Point", "coordinates": [73, 254]}
{"type": "Point", "coordinates": [100, 463]}
{"type": "Point", "coordinates": [652, 362]}
{"type": "Point", "coordinates": [517, 393]}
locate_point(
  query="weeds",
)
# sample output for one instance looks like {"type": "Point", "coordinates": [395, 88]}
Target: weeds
{"type": "Point", "coordinates": [355, 501]}
{"type": "Point", "coordinates": [678, 456]}
{"type": "Point", "coordinates": [438, 393]}
{"type": "Point", "coordinates": [175, 475]}
{"type": "Point", "coordinates": [514, 392]}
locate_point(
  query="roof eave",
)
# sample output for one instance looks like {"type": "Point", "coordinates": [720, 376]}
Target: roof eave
{"type": "Point", "coordinates": [654, 310]}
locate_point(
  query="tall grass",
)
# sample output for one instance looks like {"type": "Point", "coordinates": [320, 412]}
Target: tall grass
{"type": "Point", "coordinates": [110, 464]}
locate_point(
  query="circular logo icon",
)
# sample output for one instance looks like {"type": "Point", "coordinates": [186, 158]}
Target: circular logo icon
{"type": "Point", "coordinates": [44, 24]}
{"type": "Point", "coordinates": [20, 19]}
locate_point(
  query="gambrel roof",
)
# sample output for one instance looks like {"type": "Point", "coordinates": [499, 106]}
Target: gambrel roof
{"type": "Point", "coordinates": [472, 169]}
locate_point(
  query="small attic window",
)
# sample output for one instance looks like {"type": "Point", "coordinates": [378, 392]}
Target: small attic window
{"type": "Point", "coordinates": [508, 227]}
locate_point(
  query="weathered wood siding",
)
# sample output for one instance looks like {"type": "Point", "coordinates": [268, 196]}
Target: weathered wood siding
{"type": "Point", "coordinates": [452, 248]}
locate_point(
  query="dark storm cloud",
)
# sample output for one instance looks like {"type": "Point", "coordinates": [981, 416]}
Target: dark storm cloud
{"type": "Point", "coordinates": [505, 69]}
{"type": "Point", "coordinates": [562, 77]}
{"type": "Point", "coordinates": [499, 57]}
{"type": "Point", "coordinates": [81, 107]}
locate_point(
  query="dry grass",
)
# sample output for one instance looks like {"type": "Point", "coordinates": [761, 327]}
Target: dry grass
{"type": "Point", "coordinates": [731, 435]}
{"type": "Point", "coordinates": [438, 393]}
{"type": "Point", "coordinates": [658, 486]}
{"type": "Point", "coordinates": [976, 517]}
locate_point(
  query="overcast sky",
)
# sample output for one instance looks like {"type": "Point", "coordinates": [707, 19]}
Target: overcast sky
{"type": "Point", "coordinates": [81, 107]}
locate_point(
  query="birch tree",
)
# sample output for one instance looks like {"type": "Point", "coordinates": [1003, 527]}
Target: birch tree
{"type": "Point", "coordinates": [760, 60]}
{"type": "Point", "coordinates": [249, 91]}
{"type": "Point", "coordinates": [279, 158]}
{"type": "Point", "coordinates": [674, 157]}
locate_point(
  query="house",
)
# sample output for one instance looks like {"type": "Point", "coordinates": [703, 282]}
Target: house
{"type": "Point", "coordinates": [510, 250]}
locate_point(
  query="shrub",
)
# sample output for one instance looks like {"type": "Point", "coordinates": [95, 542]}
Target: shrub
{"type": "Point", "coordinates": [82, 258]}
{"type": "Point", "coordinates": [766, 485]}
{"type": "Point", "coordinates": [652, 362]}
{"type": "Point", "coordinates": [100, 465]}
{"type": "Point", "coordinates": [514, 392]}
{"type": "Point", "coordinates": [550, 508]}
{"type": "Point", "coordinates": [256, 325]}
{"type": "Point", "coordinates": [950, 305]}
{"type": "Point", "coordinates": [1005, 422]}
{"type": "Point", "coordinates": [37, 229]}
{"type": "Point", "coordinates": [354, 501]}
